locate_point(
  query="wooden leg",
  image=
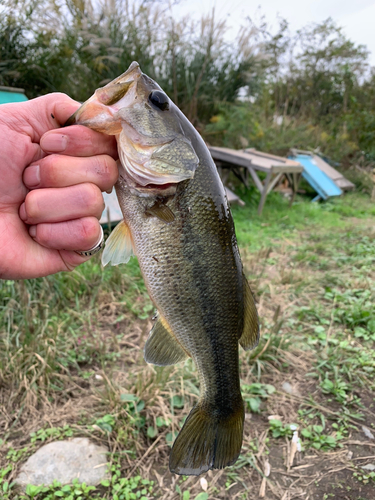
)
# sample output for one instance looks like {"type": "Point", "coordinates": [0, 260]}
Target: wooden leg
{"type": "Point", "coordinates": [264, 192]}
{"type": "Point", "coordinates": [275, 180]}
{"type": "Point", "coordinates": [256, 179]}
{"type": "Point", "coordinates": [296, 179]}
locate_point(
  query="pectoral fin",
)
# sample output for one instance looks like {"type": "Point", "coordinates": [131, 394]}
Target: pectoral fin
{"type": "Point", "coordinates": [250, 335]}
{"type": "Point", "coordinates": [162, 347]}
{"type": "Point", "coordinates": [162, 212]}
{"type": "Point", "coordinates": [119, 246]}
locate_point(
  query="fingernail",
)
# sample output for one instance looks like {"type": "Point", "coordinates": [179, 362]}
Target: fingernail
{"type": "Point", "coordinates": [23, 214]}
{"type": "Point", "coordinates": [31, 176]}
{"type": "Point", "coordinates": [32, 231]}
{"type": "Point", "coordinates": [54, 143]}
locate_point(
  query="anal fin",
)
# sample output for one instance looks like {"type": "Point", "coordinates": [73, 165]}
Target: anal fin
{"type": "Point", "coordinates": [162, 348]}
{"type": "Point", "coordinates": [250, 334]}
{"type": "Point", "coordinates": [119, 246]}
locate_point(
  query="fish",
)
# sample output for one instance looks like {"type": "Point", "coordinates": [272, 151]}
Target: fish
{"type": "Point", "coordinates": [178, 223]}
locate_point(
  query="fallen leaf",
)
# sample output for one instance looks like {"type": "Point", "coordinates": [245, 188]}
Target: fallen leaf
{"type": "Point", "coordinates": [204, 483]}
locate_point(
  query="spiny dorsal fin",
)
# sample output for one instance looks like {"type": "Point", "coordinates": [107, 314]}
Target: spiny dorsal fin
{"type": "Point", "coordinates": [162, 212]}
{"type": "Point", "coordinates": [119, 246]}
{"type": "Point", "coordinates": [250, 335]}
{"type": "Point", "coordinates": [162, 348]}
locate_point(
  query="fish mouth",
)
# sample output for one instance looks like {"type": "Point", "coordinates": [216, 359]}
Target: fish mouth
{"type": "Point", "coordinates": [149, 159]}
{"type": "Point", "coordinates": [99, 111]}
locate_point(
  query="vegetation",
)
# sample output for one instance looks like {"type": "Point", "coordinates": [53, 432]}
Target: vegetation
{"type": "Point", "coordinates": [71, 361]}
{"type": "Point", "coordinates": [71, 364]}
{"type": "Point", "coordinates": [270, 89]}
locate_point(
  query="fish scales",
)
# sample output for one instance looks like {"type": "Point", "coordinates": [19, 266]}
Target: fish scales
{"type": "Point", "coordinates": [178, 223]}
{"type": "Point", "coordinates": [192, 262]}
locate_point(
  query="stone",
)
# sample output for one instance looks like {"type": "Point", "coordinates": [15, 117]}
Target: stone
{"type": "Point", "coordinates": [370, 467]}
{"type": "Point", "coordinates": [287, 387]}
{"type": "Point", "coordinates": [367, 432]}
{"type": "Point", "coordinates": [64, 461]}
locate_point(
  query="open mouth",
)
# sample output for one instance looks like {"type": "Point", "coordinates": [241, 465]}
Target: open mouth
{"type": "Point", "coordinates": [162, 187]}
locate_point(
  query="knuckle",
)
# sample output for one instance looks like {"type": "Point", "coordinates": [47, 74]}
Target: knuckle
{"type": "Point", "coordinates": [106, 169]}
{"type": "Point", "coordinates": [50, 171]}
{"type": "Point", "coordinates": [88, 230]}
{"type": "Point", "coordinates": [43, 234]}
{"type": "Point", "coordinates": [94, 198]}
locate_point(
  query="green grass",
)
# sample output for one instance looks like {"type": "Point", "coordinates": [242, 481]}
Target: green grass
{"type": "Point", "coordinates": [71, 360]}
{"type": "Point", "coordinates": [278, 221]}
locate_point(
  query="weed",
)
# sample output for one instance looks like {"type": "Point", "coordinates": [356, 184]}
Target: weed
{"type": "Point", "coordinates": [71, 351]}
{"type": "Point", "coordinates": [254, 394]}
{"type": "Point", "coordinates": [117, 488]}
{"type": "Point", "coordinates": [54, 433]}
{"type": "Point", "coordinates": [279, 430]}
{"type": "Point", "coordinates": [365, 478]}
{"type": "Point", "coordinates": [315, 438]}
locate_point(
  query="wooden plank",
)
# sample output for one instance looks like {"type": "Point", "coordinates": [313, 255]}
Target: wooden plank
{"type": "Point", "coordinates": [275, 160]}
{"type": "Point", "coordinates": [274, 167]}
{"type": "Point", "coordinates": [230, 156]}
{"type": "Point", "coordinates": [233, 198]}
{"type": "Point", "coordinates": [259, 160]}
{"type": "Point", "coordinates": [333, 174]}
{"type": "Point", "coordinates": [322, 184]}
{"type": "Point", "coordinates": [338, 178]}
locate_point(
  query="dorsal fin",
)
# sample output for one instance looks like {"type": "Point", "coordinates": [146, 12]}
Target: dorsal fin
{"type": "Point", "coordinates": [162, 348]}
{"type": "Point", "coordinates": [119, 246]}
{"type": "Point", "coordinates": [250, 334]}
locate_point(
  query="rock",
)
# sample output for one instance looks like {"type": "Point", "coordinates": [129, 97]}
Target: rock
{"type": "Point", "coordinates": [367, 432]}
{"type": "Point", "coordinates": [370, 467]}
{"type": "Point", "coordinates": [64, 461]}
{"type": "Point", "coordinates": [290, 389]}
{"type": "Point", "coordinates": [287, 388]}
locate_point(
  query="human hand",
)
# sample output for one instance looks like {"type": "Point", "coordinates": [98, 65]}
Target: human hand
{"type": "Point", "coordinates": [50, 189]}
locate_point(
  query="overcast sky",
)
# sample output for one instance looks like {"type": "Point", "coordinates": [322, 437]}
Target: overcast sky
{"type": "Point", "coordinates": [357, 17]}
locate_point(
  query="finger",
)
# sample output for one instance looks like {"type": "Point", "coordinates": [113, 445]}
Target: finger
{"type": "Point", "coordinates": [23, 257]}
{"type": "Point", "coordinates": [35, 117]}
{"type": "Point", "coordinates": [62, 204]}
{"type": "Point", "coordinates": [45, 113]}
{"type": "Point", "coordinates": [78, 141]}
{"type": "Point", "coordinates": [77, 235]}
{"type": "Point", "coordinates": [61, 171]}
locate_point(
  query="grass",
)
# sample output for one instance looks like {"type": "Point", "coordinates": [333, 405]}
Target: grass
{"type": "Point", "coordinates": [71, 364]}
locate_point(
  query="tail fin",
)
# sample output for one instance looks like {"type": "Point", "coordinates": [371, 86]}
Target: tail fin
{"type": "Point", "coordinates": [207, 441]}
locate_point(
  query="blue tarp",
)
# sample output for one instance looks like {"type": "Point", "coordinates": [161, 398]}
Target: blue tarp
{"type": "Point", "coordinates": [323, 185]}
{"type": "Point", "coordinates": [7, 94]}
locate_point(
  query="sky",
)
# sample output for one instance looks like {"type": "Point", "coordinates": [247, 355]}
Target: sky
{"type": "Point", "coordinates": [356, 17]}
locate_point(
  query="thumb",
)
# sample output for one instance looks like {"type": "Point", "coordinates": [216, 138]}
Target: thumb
{"type": "Point", "coordinates": [47, 113]}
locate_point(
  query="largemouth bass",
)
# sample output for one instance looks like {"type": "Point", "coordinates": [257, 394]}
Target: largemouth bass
{"type": "Point", "coordinates": [178, 223]}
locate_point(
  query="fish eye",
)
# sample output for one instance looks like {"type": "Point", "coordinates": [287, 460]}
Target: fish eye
{"type": "Point", "coordinates": [159, 99]}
